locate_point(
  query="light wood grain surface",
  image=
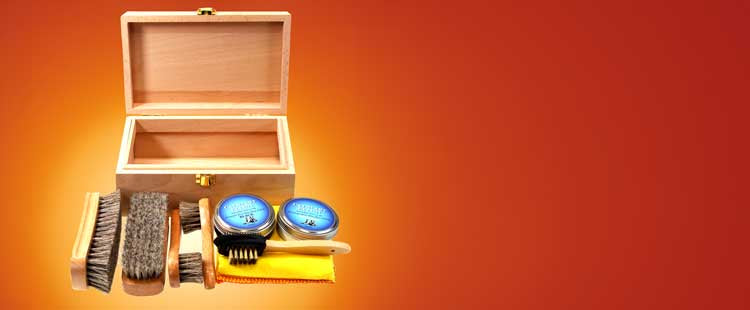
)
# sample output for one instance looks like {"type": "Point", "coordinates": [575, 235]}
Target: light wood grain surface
{"type": "Point", "coordinates": [247, 154]}
{"type": "Point", "coordinates": [313, 247]}
{"type": "Point", "coordinates": [229, 63]}
{"type": "Point", "coordinates": [207, 244]}
{"type": "Point", "coordinates": [231, 71]}
{"type": "Point", "coordinates": [173, 258]}
{"type": "Point", "coordinates": [82, 243]}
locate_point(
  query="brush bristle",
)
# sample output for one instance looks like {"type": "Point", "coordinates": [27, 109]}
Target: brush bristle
{"type": "Point", "coordinates": [143, 250]}
{"type": "Point", "coordinates": [243, 255]}
{"type": "Point", "coordinates": [190, 217]}
{"type": "Point", "coordinates": [105, 243]}
{"type": "Point", "coordinates": [191, 268]}
{"type": "Point", "coordinates": [241, 249]}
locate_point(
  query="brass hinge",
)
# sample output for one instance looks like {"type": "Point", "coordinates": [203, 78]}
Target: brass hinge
{"type": "Point", "coordinates": [205, 180]}
{"type": "Point", "coordinates": [206, 11]}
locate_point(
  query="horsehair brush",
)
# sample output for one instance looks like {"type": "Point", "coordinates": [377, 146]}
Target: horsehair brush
{"type": "Point", "coordinates": [190, 217]}
{"type": "Point", "coordinates": [194, 267]}
{"type": "Point", "coordinates": [145, 246]}
{"type": "Point", "coordinates": [95, 250]}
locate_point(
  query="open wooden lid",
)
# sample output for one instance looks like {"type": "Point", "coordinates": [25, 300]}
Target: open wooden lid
{"type": "Point", "coordinates": [183, 63]}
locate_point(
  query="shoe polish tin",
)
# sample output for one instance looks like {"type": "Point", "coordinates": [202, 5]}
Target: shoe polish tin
{"type": "Point", "coordinates": [244, 214]}
{"type": "Point", "coordinates": [307, 219]}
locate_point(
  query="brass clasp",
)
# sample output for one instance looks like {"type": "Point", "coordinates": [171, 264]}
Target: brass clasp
{"type": "Point", "coordinates": [206, 11]}
{"type": "Point", "coordinates": [205, 180]}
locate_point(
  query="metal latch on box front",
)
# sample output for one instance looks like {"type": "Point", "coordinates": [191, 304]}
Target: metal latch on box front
{"type": "Point", "coordinates": [205, 180]}
{"type": "Point", "coordinates": [206, 11]}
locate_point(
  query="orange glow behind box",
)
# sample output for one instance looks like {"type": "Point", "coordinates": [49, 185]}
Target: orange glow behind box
{"type": "Point", "coordinates": [591, 155]}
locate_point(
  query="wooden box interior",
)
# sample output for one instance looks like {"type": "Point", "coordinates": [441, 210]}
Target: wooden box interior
{"type": "Point", "coordinates": [206, 94]}
{"type": "Point", "coordinates": [228, 143]}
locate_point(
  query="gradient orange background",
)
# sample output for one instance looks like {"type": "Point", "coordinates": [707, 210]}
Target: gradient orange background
{"type": "Point", "coordinates": [525, 155]}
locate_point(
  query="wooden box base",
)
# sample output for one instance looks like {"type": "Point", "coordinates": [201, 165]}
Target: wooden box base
{"type": "Point", "coordinates": [244, 154]}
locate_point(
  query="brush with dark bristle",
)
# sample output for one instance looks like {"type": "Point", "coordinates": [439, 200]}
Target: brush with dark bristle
{"type": "Point", "coordinates": [246, 249]}
{"type": "Point", "coordinates": [187, 267]}
{"type": "Point", "coordinates": [190, 217]}
{"type": "Point", "coordinates": [191, 268]}
{"type": "Point", "coordinates": [241, 249]}
{"type": "Point", "coordinates": [191, 264]}
{"type": "Point", "coordinates": [95, 252]}
{"type": "Point", "coordinates": [197, 267]}
{"type": "Point", "coordinates": [144, 249]}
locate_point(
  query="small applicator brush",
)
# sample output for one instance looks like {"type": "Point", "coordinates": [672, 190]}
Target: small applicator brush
{"type": "Point", "coordinates": [191, 267]}
{"type": "Point", "coordinates": [95, 250]}
{"type": "Point", "coordinates": [197, 266]}
{"type": "Point", "coordinates": [190, 217]}
{"type": "Point", "coordinates": [145, 246]}
{"type": "Point", "coordinates": [246, 249]}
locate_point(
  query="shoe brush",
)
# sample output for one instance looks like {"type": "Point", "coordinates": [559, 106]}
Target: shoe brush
{"type": "Point", "coordinates": [145, 245]}
{"type": "Point", "coordinates": [194, 267]}
{"type": "Point", "coordinates": [94, 256]}
{"type": "Point", "coordinates": [246, 249]}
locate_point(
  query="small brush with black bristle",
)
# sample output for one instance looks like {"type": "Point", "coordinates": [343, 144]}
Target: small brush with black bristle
{"type": "Point", "coordinates": [246, 249]}
{"type": "Point", "coordinates": [95, 253]}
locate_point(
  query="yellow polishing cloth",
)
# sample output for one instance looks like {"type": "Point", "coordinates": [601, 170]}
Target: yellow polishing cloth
{"type": "Point", "coordinates": [278, 268]}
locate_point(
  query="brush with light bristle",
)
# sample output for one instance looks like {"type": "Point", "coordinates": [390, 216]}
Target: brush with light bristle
{"type": "Point", "coordinates": [95, 250]}
{"type": "Point", "coordinates": [246, 249]}
{"type": "Point", "coordinates": [145, 245]}
{"type": "Point", "coordinates": [197, 267]}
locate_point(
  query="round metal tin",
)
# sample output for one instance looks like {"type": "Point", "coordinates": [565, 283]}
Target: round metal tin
{"type": "Point", "coordinates": [244, 214]}
{"type": "Point", "coordinates": [307, 219]}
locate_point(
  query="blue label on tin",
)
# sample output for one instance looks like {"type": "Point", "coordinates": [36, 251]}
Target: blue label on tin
{"type": "Point", "coordinates": [309, 214]}
{"type": "Point", "coordinates": [244, 211]}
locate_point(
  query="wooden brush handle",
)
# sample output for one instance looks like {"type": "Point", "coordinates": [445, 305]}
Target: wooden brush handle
{"type": "Point", "coordinates": [173, 257]}
{"type": "Point", "coordinates": [83, 242]}
{"type": "Point", "coordinates": [207, 252]}
{"type": "Point", "coordinates": [313, 247]}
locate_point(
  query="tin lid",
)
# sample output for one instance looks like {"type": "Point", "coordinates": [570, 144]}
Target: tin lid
{"type": "Point", "coordinates": [307, 218]}
{"type": "Point", "coordinates": [224, 63]}
{"type": "Point", "coordinates": [244, 214]}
